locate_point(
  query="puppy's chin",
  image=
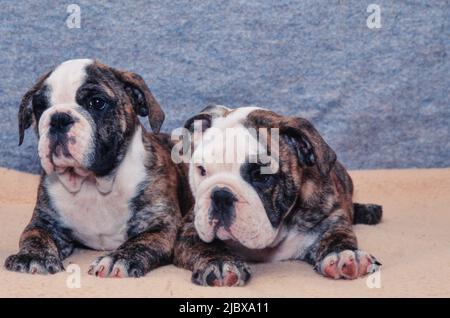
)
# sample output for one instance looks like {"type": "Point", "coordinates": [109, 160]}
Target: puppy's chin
{"type": "Point", "coordinates": [245, 231]}
{"type": "Point", "coordinates": [67, 171]}
{"type": "Point", "coordinates": [255, 241]}
{"type": "Point", "coordinates": [71, 180]}
{"type": "Point", "coordinates": [254, 238]}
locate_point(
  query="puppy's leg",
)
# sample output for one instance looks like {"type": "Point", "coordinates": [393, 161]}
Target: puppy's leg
{"type": "Point", "coordinates": [137, 256]}
{"type": "Point", "coordinates": [43, 246]}
{"type": "Point", "coordinates": [336, 255]}
{"type": "Point", "coordinates": [211, 263]}
{"type": "Point", "coordinates": [145, 249]}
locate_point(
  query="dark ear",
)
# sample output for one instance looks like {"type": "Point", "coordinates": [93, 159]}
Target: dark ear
{"type": "Point", "coordinates": [310, 147]}
{"type": "Point", "coordinates": [206, 116]}
{"type": "Point", "coordinates": [143, 101]}
{"type": "Point", "coordinates": [204, 119]}
{"type": "Point", "coordinates": [25, 115]}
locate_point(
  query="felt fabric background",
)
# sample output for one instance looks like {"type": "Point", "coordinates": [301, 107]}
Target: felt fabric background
{"type": "Point", "coordinates": [378, 96]}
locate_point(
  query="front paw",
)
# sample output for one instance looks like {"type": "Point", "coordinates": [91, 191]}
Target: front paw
{"type": "Point", "coordinates": [118, 264]}
{"type": "Point", "coordinates": [222, 273]}
{"type": "Point", "coordinates": [348, 264]}
{"type": "Point", "coordinates": [34, 264]}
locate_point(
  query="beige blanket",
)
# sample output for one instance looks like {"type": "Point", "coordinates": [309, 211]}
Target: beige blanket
{"type": "Point", "coordinates": [412, 242]}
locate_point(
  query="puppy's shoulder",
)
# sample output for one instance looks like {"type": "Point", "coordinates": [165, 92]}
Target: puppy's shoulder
{"type": "Point", "coordinates": [158, 144]}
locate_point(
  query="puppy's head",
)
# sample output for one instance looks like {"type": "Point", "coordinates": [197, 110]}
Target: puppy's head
{"type": "Point", "coordinates": [85, 114]}
{"type": "Point", "coordinates": [248, 199]}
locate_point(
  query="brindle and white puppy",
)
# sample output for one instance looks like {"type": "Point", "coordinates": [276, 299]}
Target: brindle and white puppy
{"type": "Point", "coordinates": [302, 211]}
{"type": "Point", "coordinates": [106, 184]}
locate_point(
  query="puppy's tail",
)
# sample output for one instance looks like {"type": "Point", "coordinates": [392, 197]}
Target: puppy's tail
{"type": "Point", "coordinates": [367, 213]}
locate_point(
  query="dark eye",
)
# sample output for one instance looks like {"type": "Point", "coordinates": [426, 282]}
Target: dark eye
{"type": "Point", "coordinates": [201, 170]}
{"type": "Point", "coordinates": [258, 177]}
{"type": "Point", "coordinates": [96, 103]}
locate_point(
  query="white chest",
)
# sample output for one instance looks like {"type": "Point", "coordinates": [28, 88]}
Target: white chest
{"type": "Point", "coordinates": [99, 220]}
{"type": "Point", "coordinates": [294, 246]}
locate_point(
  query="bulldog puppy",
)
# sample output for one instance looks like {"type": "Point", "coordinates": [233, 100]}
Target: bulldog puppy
{"type": "Point", "coordinates": [106, 184]}
{"type": "Point", "coordinates": [301, 209]}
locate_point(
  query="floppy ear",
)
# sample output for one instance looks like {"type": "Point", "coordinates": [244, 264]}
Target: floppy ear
{"type": "Point", "coordinates": [310, 147]}
{"type": "Point", "coordinates": [143, 100]}
{"type": "Point", "coordinates": [204, 119]}
{"type": "Point", "coordinates": [206, 116]}
{"type": "Point", "coordinates": [25, 115]}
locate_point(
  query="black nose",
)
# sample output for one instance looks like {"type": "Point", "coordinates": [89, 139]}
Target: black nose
{"type": "Point", "coordinates": [61, 123]}
{"type": "Point", "coordinates": [223, 205]}
{"type": "Point", "coordinates": [222, 197]}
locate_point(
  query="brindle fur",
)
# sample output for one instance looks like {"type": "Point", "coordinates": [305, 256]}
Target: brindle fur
{"type": "Point", "coordinates": [155, 210]}
{"type": "Point", "coordinates": [312, 195]}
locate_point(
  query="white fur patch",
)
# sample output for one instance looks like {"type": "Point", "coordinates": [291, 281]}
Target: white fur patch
{"type": "Point", "coordinates": [294, 246]}
{"type": "Point", "coordinates": [207, 146]}
{"type": "Point", "coordinates": [99, 220]}
{"type": "Point", "coordinates": [65, 80]}
{"type": "Point", "coordinates": [234, 118]}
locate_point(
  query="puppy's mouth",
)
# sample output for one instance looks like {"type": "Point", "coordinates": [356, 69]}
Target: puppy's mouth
{"type": "Point", "coordinates": [72, 171]}
{"type": "Point", "coordinates": [241, 231]}
{"type": "Point", "coordinates": [222, 230]}
{"type": "Point", "coordinates": [69, 171]}
{"type": "Point", "coordinates": [72, 174]}
{"type": "Point", "coordinates": [65, 163]}
{"type": "Point", "coordinates": [224, 234]}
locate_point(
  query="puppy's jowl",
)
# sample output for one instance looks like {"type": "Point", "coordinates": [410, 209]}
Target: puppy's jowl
{"type": "Point", "coordinates": [302, 211]}
{"type": "Point", "coordinates": [106, 184]}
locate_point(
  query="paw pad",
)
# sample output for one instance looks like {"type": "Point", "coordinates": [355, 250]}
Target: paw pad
{"type": "Point", "coordinates": [222, 273]}
{"type": "Point", "coordinates": [348, 264]}
{"type": "Point", "coordinates": [117, 266]}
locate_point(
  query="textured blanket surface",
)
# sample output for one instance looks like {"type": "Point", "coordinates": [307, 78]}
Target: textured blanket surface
{"type": "Point", "coordinates": [412, 242]}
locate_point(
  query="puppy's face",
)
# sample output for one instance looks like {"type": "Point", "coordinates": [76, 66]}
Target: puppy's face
{"type": "Point", "coordinates": [247, 200]}
{"type": "Point", "coordinates": [85, 114]}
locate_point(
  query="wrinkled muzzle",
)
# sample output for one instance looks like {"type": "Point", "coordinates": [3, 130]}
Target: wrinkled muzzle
{"type": "Point", "coordinates": [228, 208]}
{"type": "Point", "coordinates": [65, 140]}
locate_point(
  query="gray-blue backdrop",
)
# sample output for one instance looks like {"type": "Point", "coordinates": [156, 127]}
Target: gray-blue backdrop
{"type": "Point", "coordinates": [380, 96]}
